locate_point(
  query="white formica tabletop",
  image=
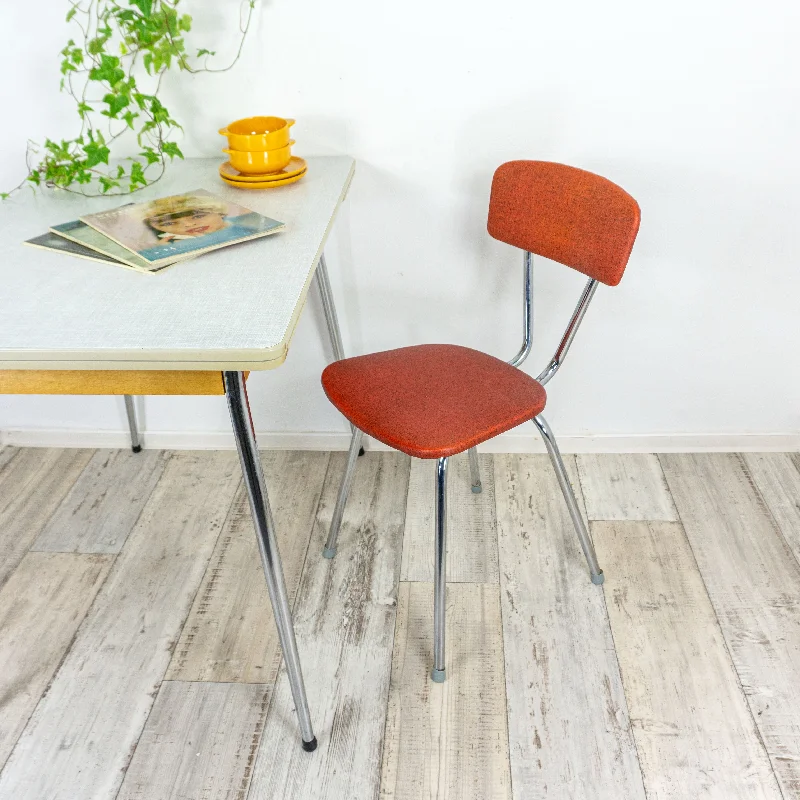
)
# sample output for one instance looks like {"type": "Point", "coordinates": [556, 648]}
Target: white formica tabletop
{"type": "Point", "coordinates": [232, 309]}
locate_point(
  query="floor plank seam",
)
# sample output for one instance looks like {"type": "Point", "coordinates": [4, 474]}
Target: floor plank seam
{"type": "Point", "coordinates": [621, 680]}
{"type": "Point", "coordinates": [132, 527]}
{"type": "Point", "coordinates": [725, 641]}
{"type": "Point", "coordinates": [379, 792]}
{"type": "Point", "coordinates": [765, 507]}
{"type": "Point", "coordinates": [246, 790]}
{"type": "Point", "coordinates": [46, 522]}
{"type": "Point", "coordinates": [63, 658]}
{"type": "Point", "coordinates": [590, 525]}
{"type": "Point", "coordinates": [177, 639]}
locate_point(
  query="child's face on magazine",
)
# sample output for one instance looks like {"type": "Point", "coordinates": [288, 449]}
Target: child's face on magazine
{"type": "Point", "coordinates": [188, 223]}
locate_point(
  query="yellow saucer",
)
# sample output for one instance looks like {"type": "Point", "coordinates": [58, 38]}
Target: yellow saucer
{"type": "Point", "coordinates": [262, 184]}
{"type": "Point", "coordinates": [294, 167]}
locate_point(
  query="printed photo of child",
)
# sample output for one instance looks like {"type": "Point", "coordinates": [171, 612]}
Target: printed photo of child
{"type": "Point", "coordinates": [171, 228]}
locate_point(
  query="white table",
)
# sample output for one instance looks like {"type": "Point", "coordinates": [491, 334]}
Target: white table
{"type": "Point", "coordinates": [73, 326]}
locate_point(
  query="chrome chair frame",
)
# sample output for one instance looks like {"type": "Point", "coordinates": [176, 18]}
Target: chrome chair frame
{"type": "Point", "coordinates": [438, 672]}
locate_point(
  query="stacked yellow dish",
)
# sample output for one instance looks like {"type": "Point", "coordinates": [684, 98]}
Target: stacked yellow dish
{"type": "Point", "coordinates": [260, 153]}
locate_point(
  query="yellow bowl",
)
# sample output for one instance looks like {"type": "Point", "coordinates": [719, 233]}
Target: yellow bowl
{"type": "Point", "coordinates": [260, 162]}
{"type": "Point", "coordinates": [258, 133]}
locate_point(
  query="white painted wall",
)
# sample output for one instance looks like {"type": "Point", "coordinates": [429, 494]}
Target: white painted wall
{"type": "Point", "coordinates": [692, 106]}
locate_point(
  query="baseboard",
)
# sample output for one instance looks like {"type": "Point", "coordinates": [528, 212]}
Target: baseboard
{"type": "Point", "coordinates": [508, 443]}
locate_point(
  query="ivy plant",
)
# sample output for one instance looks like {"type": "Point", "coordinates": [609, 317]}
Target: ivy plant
{"type": "Point", "coordinates": [113, 70]}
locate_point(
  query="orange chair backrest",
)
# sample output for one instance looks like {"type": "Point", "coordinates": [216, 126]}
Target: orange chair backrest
{"type": "Point", "coordinates": [566, 214]}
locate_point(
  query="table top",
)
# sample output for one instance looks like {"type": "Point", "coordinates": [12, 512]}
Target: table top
{"type": "Point", "coordinates": [235, 308]}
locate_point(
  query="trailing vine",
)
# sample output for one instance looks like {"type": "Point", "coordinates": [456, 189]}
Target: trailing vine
{"type": "Point", "coordinates": [113, 70]}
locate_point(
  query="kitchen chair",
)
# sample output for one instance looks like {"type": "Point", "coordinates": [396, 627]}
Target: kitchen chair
{"type": "Point", "coordinates": [433, 401]}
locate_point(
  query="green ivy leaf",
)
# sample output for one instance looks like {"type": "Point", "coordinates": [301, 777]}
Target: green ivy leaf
{"type": "Point", "coordinates": [96, 154]}
{"type": "Point", "coordinates": [137, 175]}
{"type": "Point", "coordinates": [71, 13]}
{"type": "Point", "coordinates": [129, 117]}
{"type": "Point", "coordinates": [108, 183]}
{"type": "Point", "coordinates": [115, 102]}
{"type": "Point", "coordinates": [108, 70]}
{"type": "Point", "coordinates": [151, 156]}
{"type": "Point", "coordinates": [84, 109]}
{"type": "Point", "coordinates": [185, 22]}
{"type": "Point", "coordinates": [172, 150]}
{"type": "Point", "coordinates": [145, 6]}
{"type": "Point", "coordinates": [203, 52]}
{"type": "Point", "coordinates": [95, 46]}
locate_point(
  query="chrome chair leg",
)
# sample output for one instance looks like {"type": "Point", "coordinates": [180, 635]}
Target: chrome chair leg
{"type": "Point", "coordinates": [344, 491]}
{"type": "Point", "coordinates": [475, 470]}
{"type": "Point", "coordinates": [131, 412]}
{"type": "Point", "coordinates": [242, 422]}
{"type": "Point", "coordinates": [331, 317]}
{"type": "Point", "coordinates": [439, 573]}
{"type": "Point", "coordinates": [572, 505]}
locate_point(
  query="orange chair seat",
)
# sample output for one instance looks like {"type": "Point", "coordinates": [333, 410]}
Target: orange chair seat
{"type": "Point", "coordinates": [434, 400]}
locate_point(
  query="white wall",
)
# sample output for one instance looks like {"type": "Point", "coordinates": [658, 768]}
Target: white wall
{"type": "Point", "coordinates": [692, 106]}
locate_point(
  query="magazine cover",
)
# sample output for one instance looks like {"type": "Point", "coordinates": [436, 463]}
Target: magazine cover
{"type": "Point", "coordinates": [173, 228]}
{"type": "Point", "coordinates": [80, 233]}
{"type": "Point", "coordinates": [50, 241]}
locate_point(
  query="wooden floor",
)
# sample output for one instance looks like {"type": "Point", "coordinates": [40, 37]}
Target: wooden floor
{"type": "Point", "coordinates": [139, 659]}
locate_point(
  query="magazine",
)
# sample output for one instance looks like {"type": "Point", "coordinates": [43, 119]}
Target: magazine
{"type": "Point", "coordinates": [50, 241]}
{"type": "Point", "coordinates": [80, 233]}
{"type": "Point", "coordinates": [174, 228]}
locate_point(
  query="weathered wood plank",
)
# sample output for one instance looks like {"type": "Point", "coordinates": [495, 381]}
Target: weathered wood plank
{"type": "Point", "coordinates": [344, 619]}
{"type": "Point", "coordinates": [103, 505]}
{"type": "Point", "coordinates": [624, 486]}
{"type": "Point", "coordinates": [230, 634]}
{"type": "Point", "coordinates": [199, 743]}
{"type": "Point", "coordinates": [32, 485]}
{"type": "Point", "coordinates": [447, 740]}
{"type": "Point", "coordinates": [569, 731]}
{"type": "Point", "coordinates": [472, 543]}
{"type": "Point", "coordinates": [777, 477]}
{"type": "Point", "coordinates": [753, 581]}
{"type": "Point", "coordinates": [6, 454]}
{"type": "Point", "coordinates": [81, 735]}
{"type": "Point", "coordinates": [41, 606]}
{"type": "Point", "coordinates": [694, 731]}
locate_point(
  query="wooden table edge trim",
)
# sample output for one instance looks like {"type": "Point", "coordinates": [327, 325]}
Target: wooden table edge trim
{"type": "Point", "coordinates": [112, 382]}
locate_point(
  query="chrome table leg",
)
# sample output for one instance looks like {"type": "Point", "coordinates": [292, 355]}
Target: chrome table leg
{"type": "Point", "coordinates": [329, 308]}
{"type": "Point", "coordinates": [239, 407]}
{"type": "Point", "coordinates": [131, 412]}
{"type": "Point", "coordinates": [475, 470]}
{"type": "Point", "coordinates": [572, 505]}
{"type": "Point", "coordinates": [344, 491]}
{"type": "Point", "coordinates": [439, 572]}
{"type": "Point", "coordinates": [331, 318]}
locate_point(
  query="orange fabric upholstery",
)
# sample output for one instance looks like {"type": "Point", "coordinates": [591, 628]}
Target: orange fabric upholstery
{"type": "Point", "coordinates": [566, 214]}
{"type": "Point", "coordinates": [432, 401]}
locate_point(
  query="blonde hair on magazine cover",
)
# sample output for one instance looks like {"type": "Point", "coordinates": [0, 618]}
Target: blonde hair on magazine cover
{"type": "Point", "coordinates": [185, 216]}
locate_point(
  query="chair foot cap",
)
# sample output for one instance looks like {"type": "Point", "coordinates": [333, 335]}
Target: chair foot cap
{"type": "Point", "coordinates": [360, 452]}
{"type": "Point", "coordinates": [329, 552]}
{"type": "Point", "coordinates": [598, 579]}
{"type": "Point", "coordinates": [437, 675]}
{"type": "Point", "coordinates": [477, 488]}
{"type": "Point", "coordinates": [311, 746]}
{"type": "Point", "coordinates": [137, 449]}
